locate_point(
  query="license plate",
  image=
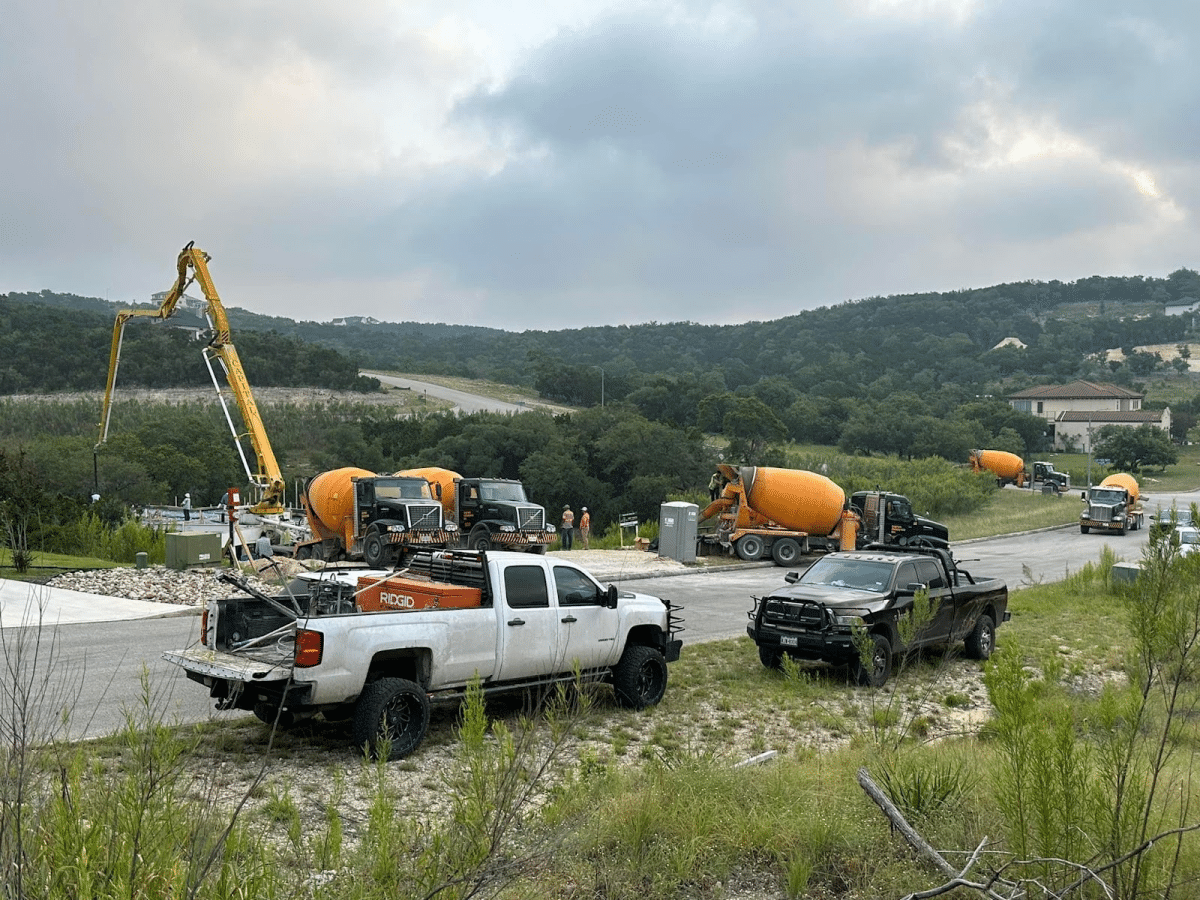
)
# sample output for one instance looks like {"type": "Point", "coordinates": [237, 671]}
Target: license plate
{"type": "Point", "coordinates": [789, 640]}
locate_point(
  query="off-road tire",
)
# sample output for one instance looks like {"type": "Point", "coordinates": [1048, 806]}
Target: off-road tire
{"type": "Point", "coordinates": [881, 663]}
{"type": "Point", "coordinates": [640, 677]}
{"type": "Point", "coordinates": [750, 547]}
{"type": "Point", "coordinates": [374, 550]}
{"type": "Point", "coordinates": [392, 711]}
{"type": "Point", "coordinates": [785, 552]}
{"type": "Point", "coordinates": [981, 642]}
{"type": "Point", "coordinates": [771, 657]}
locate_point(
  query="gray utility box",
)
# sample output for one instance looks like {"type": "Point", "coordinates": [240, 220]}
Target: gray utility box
{"type": "Point", "coordinates": [677, 524]}
{"type": "Point", "coordinates": [193, 548]}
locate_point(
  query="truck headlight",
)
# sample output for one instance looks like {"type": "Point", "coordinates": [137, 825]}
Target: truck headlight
{"type": "Point", "coordinates": [847, 621]}
{"type": "Point", "coordinates": [508, 527]}
{"type": "Point", "coordinates": [396, 528]}
{"type": "Point", "coordinates": [550, 529]}
{"type": "Point", "coordinates": [450, 526]}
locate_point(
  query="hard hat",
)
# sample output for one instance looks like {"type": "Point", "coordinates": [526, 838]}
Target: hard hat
{"type": "Point", "coordinates": [566, 506]}
{"type": "Point", "coordinates": [585, 509]}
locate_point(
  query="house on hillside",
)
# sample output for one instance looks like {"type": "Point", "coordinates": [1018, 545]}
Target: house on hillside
{"type": "Point", "coordinates": [1076, 411]}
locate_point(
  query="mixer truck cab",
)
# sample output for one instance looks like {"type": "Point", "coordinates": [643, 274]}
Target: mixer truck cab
{"type": "Point", "coordinates": [355, 514]}
{"type": "Point", "coordinates": [1045, 474]}
{"type": "Point", "coordinates": [889, 519]}
{"type": "Point", "coordinates": [488, 513]}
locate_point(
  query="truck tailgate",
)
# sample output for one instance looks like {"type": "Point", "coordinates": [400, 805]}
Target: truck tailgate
{"type": "Point", "coordinates": [227, 666]}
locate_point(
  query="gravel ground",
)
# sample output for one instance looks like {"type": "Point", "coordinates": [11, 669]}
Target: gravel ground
{"type": "Point", "coordinates": [195, 587]}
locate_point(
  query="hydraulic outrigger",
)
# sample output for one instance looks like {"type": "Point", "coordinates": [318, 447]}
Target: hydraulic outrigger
{"type": "Point", "coordinates": [193, 266]}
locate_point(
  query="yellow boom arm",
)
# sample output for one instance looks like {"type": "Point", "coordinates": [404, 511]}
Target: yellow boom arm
{"type": "Point", "coordinates": [193, 265]}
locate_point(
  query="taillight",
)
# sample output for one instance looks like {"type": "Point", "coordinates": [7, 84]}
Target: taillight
{"type": "Point", "coordinates": [309, 647]}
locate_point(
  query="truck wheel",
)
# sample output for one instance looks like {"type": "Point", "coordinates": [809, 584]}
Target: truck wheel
{"type": "Point", "coordinates": [982, 639]}
{"type": "Point", "coordinates": [374, 550]}
{"type": "Point", "coordinates": [537, 550]}
{"type": "Point", "coordinates": [304, 551]}
{"type": "Point", "coordinates": [1121, 530]}
{"type": "Point", "coordinates": [785, 552]}
{"type": "Point", "coordinates": [750, 547]}
{"type": "Point", "coordinates": [391, 711]}
{"type": "Point", "coordinates": [881, 663]}
{"type": "Point", "coordinates": [640, 678]}
{"type": "Point", "coordinates": [771, 657]}
{"type": "Point", "coordinates": [1083, 529]}
{"type": "Point", "coordinates": [481, 540]}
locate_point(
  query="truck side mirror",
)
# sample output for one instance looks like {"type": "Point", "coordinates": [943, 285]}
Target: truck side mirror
{"type": "Point", "coordinates": [610, 597]}
{"type": "Point", "coordinates": [791, 577]}
{"type": "Point", "coordinates": [437, 491]}
{"type": "Point", "coordinates": [1083, 496]}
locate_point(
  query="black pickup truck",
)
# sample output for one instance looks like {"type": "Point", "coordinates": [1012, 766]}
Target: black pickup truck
{"type": "Point", "coordinates": [845, 598]}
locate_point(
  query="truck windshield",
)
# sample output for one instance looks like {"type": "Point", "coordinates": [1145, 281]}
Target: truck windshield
{"type": "Point", "coordinates": [856, 574]}
{"type": "Point", "coordinates": [1099, 496]}
{"type": "Point", "coordinates": [512, 491]}
{"type": "Point", "coordinates": [406, 489]}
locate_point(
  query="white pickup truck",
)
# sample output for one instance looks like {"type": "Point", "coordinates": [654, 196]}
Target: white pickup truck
{"type": "Point", "coordinates": [378, 652]}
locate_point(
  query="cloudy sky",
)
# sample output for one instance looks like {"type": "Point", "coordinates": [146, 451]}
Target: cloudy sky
{"type": "Point", "coordinates": [534, 164]}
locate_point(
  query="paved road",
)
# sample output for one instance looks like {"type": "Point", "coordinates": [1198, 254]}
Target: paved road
{"type": "Point", "coordinates": [463, 402]}
{"type": "Point", "coordinates": [99, 665]}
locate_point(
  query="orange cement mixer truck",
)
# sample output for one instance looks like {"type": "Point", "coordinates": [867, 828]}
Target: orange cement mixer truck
{"type": "Point", "coordinates": [1112, 505]}
{"type": "Point", "coordinates": [782, 513]}
{"type": "Point", "coordinates": [356, 514]}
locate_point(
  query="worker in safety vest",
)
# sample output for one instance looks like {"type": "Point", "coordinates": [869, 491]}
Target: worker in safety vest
{"type": "Point", "coordinates": [848, 528]}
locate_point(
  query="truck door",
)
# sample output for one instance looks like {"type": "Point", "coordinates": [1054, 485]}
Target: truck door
{"type": "Point", "coordinates": [941, 597]}
{"type": "Point", "coordinates": [589, 630]}
{"type": "Point", "coordinates": [529, 625]}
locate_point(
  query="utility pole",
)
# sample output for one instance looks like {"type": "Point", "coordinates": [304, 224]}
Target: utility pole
{"type": "Point", "coordinates": [601, 368]}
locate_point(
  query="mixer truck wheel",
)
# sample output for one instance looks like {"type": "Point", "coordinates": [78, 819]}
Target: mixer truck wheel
{"type": "Point", "coordinates": [785, 552]}
{"type": "Point", "coordinates": [480, 539]}
{"type": "Point", "coordinates": [374, 551]}
{"type": "Point", "coordinates": [640, 677]}
{"type": "Point", "coordinates": [1083, 529]}
{"type": "Point", "coordinates": [391, 714]}
{"type": "Point", "coordinates": [750, 547]}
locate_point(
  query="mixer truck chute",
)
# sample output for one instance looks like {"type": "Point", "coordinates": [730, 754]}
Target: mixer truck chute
{"type": "Point", "coordinates": [782, 513]}
{"type": "Point", "coordinates": [192, 266]}
{"type": "Point", "coordinates": [380, 519]}
{"type": "Point", "coordinates": [488, 512]}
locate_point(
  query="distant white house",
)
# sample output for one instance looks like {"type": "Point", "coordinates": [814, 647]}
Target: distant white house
{"type": "Point", "coordinates": [1011, 342]}
{"type": "Point", "coordinates": [1080, 409]}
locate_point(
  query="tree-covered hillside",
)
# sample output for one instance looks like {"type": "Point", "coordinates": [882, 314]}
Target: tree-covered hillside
{"type": "Point", "coordinates": [907, 374]}
{"type": "Point", "coordinates": [55, 346]}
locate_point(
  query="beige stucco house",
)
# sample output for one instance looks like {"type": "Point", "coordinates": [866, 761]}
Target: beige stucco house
{"type": "Point", "coordinates": [1079, 409]}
